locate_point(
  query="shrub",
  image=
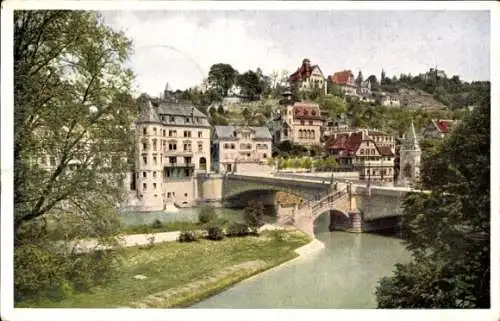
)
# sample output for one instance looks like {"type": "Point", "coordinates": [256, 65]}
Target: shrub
{"type": "Point", "coordinates": [215, 233]}
{"type": "Point", "coordinates": [157, 224]}
{"type": "Point", "coordinates": [207, 214]}
{"type": "Point", "coordinates": [237, 229]}
{"type": "Point", "coordinates": [253, 215]}
{"type": "Point", "coordinates": [188, 236]}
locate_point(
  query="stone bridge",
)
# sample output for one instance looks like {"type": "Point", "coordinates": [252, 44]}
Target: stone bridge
{"type": "Point", "coordinates": [352, 207]}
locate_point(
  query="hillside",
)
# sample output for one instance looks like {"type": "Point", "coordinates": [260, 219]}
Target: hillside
{"type": "Point", "coordinates": [418, 99]}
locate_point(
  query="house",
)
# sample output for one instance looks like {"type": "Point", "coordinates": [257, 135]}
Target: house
{"type": "Point", "coordinates": [308, 77]}
{"type": "Point", "coordinates": [438, 128]}
{"type": "Point", "coordinates": [233, 146]}
{"type": "Point", "coordinates": [299, 122]}
{"type": "Point", "coordinates": [340, 123]}
{"type": "Point", "coordinates": [345, 81]}
{"type": "Point", "coordinates": [364, 89]}
{"type": "Point", "coordinates": [172, 145]}
{"type": "Point", "coordinates": [372, 155]}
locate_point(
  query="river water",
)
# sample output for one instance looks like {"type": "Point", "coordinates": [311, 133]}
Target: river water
{"type": "Point", "coordinates": [343, 275]}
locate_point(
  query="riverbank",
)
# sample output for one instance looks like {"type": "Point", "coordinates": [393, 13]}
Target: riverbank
{"type": "Point", "coordinates": [173, 274]}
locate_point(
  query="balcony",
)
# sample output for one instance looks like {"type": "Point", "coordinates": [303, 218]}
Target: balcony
{"type": "Point", "coordinates": [179, 165]}
{"type": "Point", "coordinates": [178, 152]}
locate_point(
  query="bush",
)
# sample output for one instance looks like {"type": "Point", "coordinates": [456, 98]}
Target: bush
{"type": "Point", "coordinates": [157, 224]}
{"type": "Point", "coordinates": [215, 233]}
{"type": "Point", "coordinates": [253, 215]}
{"type": "Point", "coordinates": [188, 236]}
{"type": "Point", "coordinates": [207, 214]}
{"type": "Point", "coordinates": [237, 229]}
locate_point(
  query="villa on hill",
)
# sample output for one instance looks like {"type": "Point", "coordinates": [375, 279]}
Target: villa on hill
{"type": "Point", "coordinates": [308, 77]}
{"type": "Point", "coordinates": [439, 128]}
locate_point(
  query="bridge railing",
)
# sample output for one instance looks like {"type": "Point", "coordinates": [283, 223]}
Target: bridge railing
{"type": "Point", "coordinates": [330, 198]}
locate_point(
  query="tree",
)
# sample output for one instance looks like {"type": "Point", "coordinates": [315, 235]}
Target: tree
{"type": "Point", "coordinates": [448, 230]}
{"type": "Point", "coordinates": [72, 116]}
{"type": "Point", "coordinates": [333, 105]}
{"type": "Point", "coordinates": [382, 77]}
{"type": "Point", "coordinates": [222, 77]}
{"type": "Point", "coordinates": [69, 77]}
{"type": "Point", "coordinates": [251, 84]}
{"type": "Point", "coordinates": [253, 215]}
{"type": "Point", "coordinates": [373, 80]}
{"type": "Point", "coordinates": [207, 214]}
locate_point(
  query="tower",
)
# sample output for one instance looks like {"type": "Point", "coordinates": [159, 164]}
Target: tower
{"type": "Point", "coordinates": [149, 159]}
{"type": "Point", "coordinates": [409, 158]}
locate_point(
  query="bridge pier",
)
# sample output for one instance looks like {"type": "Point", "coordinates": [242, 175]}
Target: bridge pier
{"type": "Point", "coordinates": [353, 223]}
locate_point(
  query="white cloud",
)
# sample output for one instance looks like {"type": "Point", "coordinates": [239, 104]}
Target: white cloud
{"type": "Point", "coordinates": [180, 51]}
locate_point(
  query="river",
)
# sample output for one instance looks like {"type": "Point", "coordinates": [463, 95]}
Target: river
{"type": "Point", "coordinates": [343, 275]}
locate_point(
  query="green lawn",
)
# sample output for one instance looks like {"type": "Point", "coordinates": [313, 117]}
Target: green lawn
{"type": "Point", "coordinates": [173, 265]}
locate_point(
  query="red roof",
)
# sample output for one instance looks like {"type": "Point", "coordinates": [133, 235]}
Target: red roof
{"type": "Point", "coordinates": [341, 77]}
{"type": "Point", "coordinates": [301, 110]}
{"type": "Point", "coordinates": [345, 142]}
{"type": "Point", "coordinates": [444, 125]}
{"type": "Point", "coordinates": [303, 72]}
{"type": "Point", "coordinates": [350, 143]}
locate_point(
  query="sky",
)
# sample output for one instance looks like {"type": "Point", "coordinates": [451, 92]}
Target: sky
{"type": "Point", "coordinates": [178, 47]}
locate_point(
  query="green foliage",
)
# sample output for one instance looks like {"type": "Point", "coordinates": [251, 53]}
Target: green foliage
{"type": "Point", "coordinates": [307, 163]}
{"type": "Point", "coordinates": [157, 224]}
{"type": "Point", "coordinates": [326, 164]}
{"type": "Point", "coordinates": [222, 77]}
{"type": "Point", "coordinates": [253, 215]}
{"type": "Point", "coordinates": [188, 236]}
{"type": "Point", "coordinates": [251, 84]}
{"type": "Point", "coordinates": [215, 233]}
{"type": "Point", "coordinates": [237, 229]}
{"type": "Point", "coordinates": [448, 230]}
{"type": "Point", "coordinates": [333, 105]}
{"type": "Point", "coordinates": [207, 214]}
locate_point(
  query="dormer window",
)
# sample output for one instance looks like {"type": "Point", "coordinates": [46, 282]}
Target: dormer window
{"type": "Point", "coordinates": [187, 120]}
{"type": "Point", "coordinates": [172, 119]}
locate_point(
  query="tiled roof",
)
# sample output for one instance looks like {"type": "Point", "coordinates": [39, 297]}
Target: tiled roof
{"type": "Point", "coordinates": [349, 143]}
{"type": "Point", "coordinates": [179, 109]}
{"type": "Point", "coordinates": [307, 111]}
{"type": "Point", "coordinates": [228, 131]}
{"type": "Point", "coordinates": [303, 72]}
{"type": "Point", "coordinates": [148, 114]}
{"type": "Point", "coordinates": [341, 77]}
{"type": "Point", "coordinates": [443, 125]}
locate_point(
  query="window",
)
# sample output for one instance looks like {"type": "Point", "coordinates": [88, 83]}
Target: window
{"type": "Point", "coordinates": [144, 186]}
{"type": "Point", "coordinates": [200, 134]}
{"type": "Point", "coordinates": [52, 161]}
{"type": "Point", "coordinates": [362, 151]}
{"type": "Point", "coordinates": [187, 120]}
{"type": "Point", "coordinates": [144, 131]}
{"type": "Point", "coordinates": [43, 160]}
{"type": "Point", "coordinates": [185, 194]}
{"type": "Point", "coordinates": [154, 160]}
{"type": "Point", "coordinates": [144, 160]}
{"type": "Point", "coordinates": [172, 146]}
{"type": "Point", "coordinates": [144, 146]}
{"type": "Point", "coordinates": [144, 174]}
{"type": "Point", "coordinates": [264, 156]}
{"type": "Point", "coordinates": [154, 145]}
{"type": "Point", "coordinates": [154, 185]}
{"type": "Point", "coordinates": [154, 174]}
{"type": "Point", "coordinates": [187, 133]}
{"type": "Point", "coordinates": [172, 119]}
{"type": "Point", "coordinates": [172, 160]}
{"type": "Point", "coordinates": [302, 122]}
{"type": "Point", "coordinates": [200, 147]}
{"type": "Point", "coordinates": [310, 122]}
{"type": "Point", "coordinates": [164, 132]}
{"type": "Point", "coordinates": [154, 131]}
{"type": "Point", "coordinates": [226, 146]}
{"type": "Point", "coordinates": [187, 160]}
{"type": "Point", "coordinates": [232, 146]}
{"type": "Point", "coordinates": [170, 133]}
{"type": "Point", "coordinates": [187, 147]}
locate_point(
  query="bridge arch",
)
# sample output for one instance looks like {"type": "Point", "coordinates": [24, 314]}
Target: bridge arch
{"type": "Point", "coordinates": [265, 195]}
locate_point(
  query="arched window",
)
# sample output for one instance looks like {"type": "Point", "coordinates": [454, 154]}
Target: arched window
{"type": "Point", "coordinates": [203, 163]}
{"type": "Point", "coordinates": [232, 146]}
{"type": "Point", "coordinates": [226, 146]}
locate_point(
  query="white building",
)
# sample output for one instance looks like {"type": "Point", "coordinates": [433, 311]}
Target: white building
{"type": "Point", "coordinates": [172, 145]}
{"type": "Point", "coordinates": [234, 147]}
{"type": "Point", "coordinates": [389, 100]}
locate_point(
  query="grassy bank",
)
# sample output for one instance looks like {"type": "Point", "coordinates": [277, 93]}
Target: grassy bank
{"type": "Point", "coordinates": [193, 270]}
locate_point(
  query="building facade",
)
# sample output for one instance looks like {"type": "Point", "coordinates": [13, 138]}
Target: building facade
{"type": "Point", "coordinates": [233, 146]}
{"type": "Point", "coordinates": [299, 122]}
{"type": "Point", "coordinates": [389, 100]}
{"type": "Point", "coordinates": [172, 145]}
{"type": "Point", "coordinates": [345, 81]}
{"type": "Point", "coordinates": [372, 153]}
{"type": "Point", "coordinates": [308, 77]}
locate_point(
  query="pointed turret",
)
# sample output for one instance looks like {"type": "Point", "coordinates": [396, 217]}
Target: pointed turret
{"type": "Point", "coordinates": [411, 140]}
